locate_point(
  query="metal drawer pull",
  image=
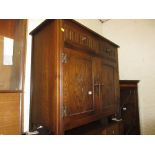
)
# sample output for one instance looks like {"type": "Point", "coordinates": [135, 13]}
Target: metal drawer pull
{"type": "Point", "coordinates": [62, 29]}
{"type": "Point", "coordinates": [124, 108]}
{"type": "Point", "coordinates": [116, 119]}
{"type": "Point", "coordinates": [95, 85]}
{"type": "Point", "coordinates": [98, 84]}
{"type": "Point", "coordinates": [108, 50]}
{"type": "Point", "coordinates": [84, 38]}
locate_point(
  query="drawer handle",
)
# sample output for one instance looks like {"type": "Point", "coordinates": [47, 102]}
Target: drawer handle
{"type": "Point", "coordinates": [124, 108]}
{"type": "Point", "coordinates": [108, 50]}
{"type": "Point", "coordinates": [116, 119]}
{"type": "Point", "coordinates": [98, 84]}
{"type": "Point", "coordinates": [62, 29]}
{"type": "Point", "coordinates": [84, 38]}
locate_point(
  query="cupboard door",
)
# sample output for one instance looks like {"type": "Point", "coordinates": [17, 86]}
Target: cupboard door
{"type": "Point", "coordinates": [129, 108]}
{"type": "Point", "coordinates": [104, 86]}
{"type": "Point", "coordinates": [108, 88]}
{"type": "Point", "coordinates": [77, 83]}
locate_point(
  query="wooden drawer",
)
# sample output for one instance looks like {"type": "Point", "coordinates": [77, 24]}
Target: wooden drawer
{"type": "Point", "coordinates": [107, 50]}
{"type": "Point", "coordinates": [79, 37]}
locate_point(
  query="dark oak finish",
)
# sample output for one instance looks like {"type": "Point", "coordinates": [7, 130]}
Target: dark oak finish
{"type": "Point", "coordinates": [129, 106]}
{"type": "Point", "coordinates": [45, 78]}
{"type": "Point", "coordinates": [74, 78]}
{"type": "Point", "coordinates": [77, 86]}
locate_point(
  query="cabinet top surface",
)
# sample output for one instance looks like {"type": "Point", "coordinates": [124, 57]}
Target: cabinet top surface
{"type": "Point", "coordinates": [128, 83]}
{"type": "Point", "coordinates": [39, 27]}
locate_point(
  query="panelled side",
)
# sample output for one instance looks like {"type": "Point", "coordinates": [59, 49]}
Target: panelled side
{"type": "Point", "coordinates": [44, 77]}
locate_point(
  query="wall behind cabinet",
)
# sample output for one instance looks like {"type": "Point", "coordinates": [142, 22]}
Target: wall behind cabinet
{"type": "Point", "coordinates": [136, 62]}
{"type": "Point", "coordinates": [93, 24]}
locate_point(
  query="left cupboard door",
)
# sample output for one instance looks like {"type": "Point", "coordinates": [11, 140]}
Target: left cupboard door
{"type": "Point", "coordinates": [77, 87]}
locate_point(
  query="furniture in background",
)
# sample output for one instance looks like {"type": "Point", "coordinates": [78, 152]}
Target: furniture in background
{"type": "Point", "coordinates": [129, 106]}
{"type": "Point", "coordinates": [74, 77]}
{"type": "Point", "coordinates": [12, 62]}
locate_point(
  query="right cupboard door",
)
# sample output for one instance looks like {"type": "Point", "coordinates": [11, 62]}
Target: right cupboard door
{"type": "Point", "coordinates": [104, 86]}
{"type": "Point", "coordinates": [107, 98]}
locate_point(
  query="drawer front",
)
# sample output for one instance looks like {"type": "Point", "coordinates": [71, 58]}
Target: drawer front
{"type": "Point", "coordinates": [79, 37]}
{"type": "Point", "coordinates": [107, 50]}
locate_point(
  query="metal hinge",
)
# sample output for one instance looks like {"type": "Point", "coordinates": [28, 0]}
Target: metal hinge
{"type": "Point", "coordinates": [64, 58]}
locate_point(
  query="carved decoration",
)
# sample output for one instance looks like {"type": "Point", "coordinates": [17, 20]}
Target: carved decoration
{"type": "Point", "coordinates": [77, 82]}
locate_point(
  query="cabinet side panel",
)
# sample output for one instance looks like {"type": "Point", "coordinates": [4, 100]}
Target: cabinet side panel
{"type": "Point", "coordinates": [117, 86]}
{"type": "Point", "coordinates": [43, 79]}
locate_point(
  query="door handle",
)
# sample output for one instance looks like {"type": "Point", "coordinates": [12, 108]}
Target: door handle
{"type": "Point", "coordinates": [124, 108]}
{"type": "Point", "coordinates": [90, 92]}
{"type": "Point", "coordinates": [96, 85]}
{"type": "Point", "coordinates": [99, 85]}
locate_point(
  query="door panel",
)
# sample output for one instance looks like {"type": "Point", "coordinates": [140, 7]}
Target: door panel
{"type": "Point", "coordinates": [107, 88]}
{"type": "Point", "coordinates": [129, 111]}
{"type": "Point", "coordinates": [104, 85]}
{"type": "Point", "coordinates": [77, 83]}
{"type": "Point", "coordinates": [96, 81]}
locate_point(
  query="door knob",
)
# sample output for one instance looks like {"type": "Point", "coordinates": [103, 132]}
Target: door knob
{"type": "Point", "coordinates": [124, 108]}
{"type": "Point", "coordinates": [90, 92]}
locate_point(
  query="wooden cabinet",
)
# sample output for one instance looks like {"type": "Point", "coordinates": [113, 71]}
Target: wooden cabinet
{"type": "Point", "coordinates": [74, 76]}
{"type": "Point", "coordinates": [12, 53]}
{"type": "Point", "coordinates": [12, 62]}
{"type": "Point", "coordinates": [129, 106]}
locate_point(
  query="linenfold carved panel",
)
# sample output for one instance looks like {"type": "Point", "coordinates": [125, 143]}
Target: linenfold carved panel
{"type": "Point", "coordinates": [108, 91]}
{"type": "Point", "coordinates": [76, 36]}
{"type": "Point", "coordinates": [77, 83]}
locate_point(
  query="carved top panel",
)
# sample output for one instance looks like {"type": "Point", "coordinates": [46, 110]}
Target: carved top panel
{"type": "Point", "coordinates": [79, 37]}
